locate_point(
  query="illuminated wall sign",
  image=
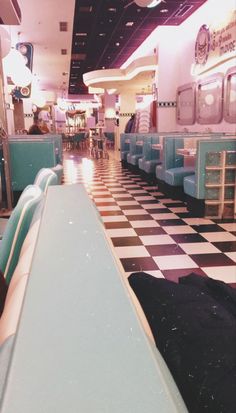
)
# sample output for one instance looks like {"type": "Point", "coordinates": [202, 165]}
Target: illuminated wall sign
{"type": "Point", "coordinates": [215, 44]}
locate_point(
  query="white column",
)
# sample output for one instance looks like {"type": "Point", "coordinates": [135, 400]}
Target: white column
{"type": "Point", "coordinates": [127, 108]}
{"type": "Point", "coordinates": [110, 112]}
{"type": "Point", "coordinates": [167, 77]}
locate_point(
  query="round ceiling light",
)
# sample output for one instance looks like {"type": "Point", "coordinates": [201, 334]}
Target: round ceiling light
{"type": "Point", "coordinates": [154, 3]}
{"type": "Point", "coordinates": [147, 3]}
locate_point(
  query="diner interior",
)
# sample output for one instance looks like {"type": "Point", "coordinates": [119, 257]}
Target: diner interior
{"type": "Point", "coordinates": [117, 206]}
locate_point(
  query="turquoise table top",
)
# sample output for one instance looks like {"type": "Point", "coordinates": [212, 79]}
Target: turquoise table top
{"type": "Point", "coordinates": [80, 346]}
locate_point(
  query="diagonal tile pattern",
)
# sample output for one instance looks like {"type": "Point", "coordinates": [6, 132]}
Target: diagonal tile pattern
{"type": "Point", "coordinates": [150, 232]}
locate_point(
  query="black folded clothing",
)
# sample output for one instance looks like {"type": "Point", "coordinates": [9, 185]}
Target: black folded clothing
{"type": "Point", "coordinates": [3, 292]}
{"type": "Point", "coordinates": [194, 327]}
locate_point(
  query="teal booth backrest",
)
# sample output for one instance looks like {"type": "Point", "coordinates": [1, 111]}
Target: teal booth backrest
{"type": "Point", "coordinates": [124, 137]}
{"type": "Point", "coordinates": [58, 169]}
{"type": "Point", "coordinates": [178, 159]}
{"type": "Point", "coordinates": [17, 228]}
{"type": "Point", "coordinates": [58, 147]}
{"type": "Point", "coordinates": [168, 153]}
{"type": "Point", "coordinates": [27, 157]}
{"type": "Point", "coordinates": [148, 152]}
{"type": "Point", "coordinates": [46, 177]}
{"type": "Point", "coordinates": [132, 146]}
{"type": "Point", "coordinates": [57, 138]}
{"type": "Point", "coordinates": [203, 147]}
{"type": "Point", "coordinates": [147, 148]}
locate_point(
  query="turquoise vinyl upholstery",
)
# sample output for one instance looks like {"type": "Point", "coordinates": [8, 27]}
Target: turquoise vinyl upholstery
{"type": "Point", "coordinates": [28, 156]}
{"type": "Point", "coordinates": [169, 157]}
{"type": "Point", "coordinates": [160, 172]}
{"type": "Point", "coordinates": [195, 186]}
{"type": "Point", "coordinates": [124, 146]}
{"type": "Point", "coordinates": [135, 151]}
{"type": "Point", "coordinates": [175, 176]}
{"type": "Point", "coordinates": [58, 169]}
{"type": "Point", "coordinates": [151, 157]}
{"type": "Point", "coordinates": [17, 228]}
{"type": "Point", "coordinates": [94, 338]}
{"type": "Point", "coordinates": [190, 185]}
{"type": "Point", "coordinates": [44, 178]}
{"type": "Point", "coordinates": [57, 138]}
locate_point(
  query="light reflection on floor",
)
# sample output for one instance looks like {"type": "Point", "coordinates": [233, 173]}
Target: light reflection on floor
{"type": "Point", "coordinates": [87, 170]}
{"type": "Point", "coordinates": [71, 169]}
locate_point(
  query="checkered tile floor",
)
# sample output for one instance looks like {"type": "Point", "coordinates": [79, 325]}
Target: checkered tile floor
{"type": "Point", "coordinates": [150, 232]}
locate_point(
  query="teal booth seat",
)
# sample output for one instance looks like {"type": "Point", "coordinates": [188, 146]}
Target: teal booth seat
{"type": "Point", "coordinates": [151, 157]}
{"type": "Point", "coordinates": [57, 138]}
{"type": "Point", "coordinates": [125, 145]}
{"type": "Point", "coordinates": [44, 178]}
{"type": "Point", "coordinates": [135, 151]}
{"type": "Point", "coordinates": [175, 176]}
{"type": "Point", "coordinates": [28, 156]}
{"type": "Point", "coordinates": [190, 185]}
{"type": "Point", "coordinates": [169, 157]}
{"type": "Point", "coordinates": [171, 160]}
{"type": "Point", "coordinates": [17, 228]}
{"type": "Point", "coordinates": [194, 185]}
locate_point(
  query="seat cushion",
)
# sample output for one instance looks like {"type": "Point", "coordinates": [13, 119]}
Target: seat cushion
{"type": "Point", "coordinates": [160, 172]}
{"type": "Point", "coordinates": [141, 163]}
{"type": "Point", "coordinates": [190, 185]}
{"type": "Point", "coordinates": [195, 332]}
{"type": "Point", "coordinates": [175, 176]}
{"type": "Point", "coordinates": [17, 228]}
{"type": "Point", "coordinates": [128, 157]}
{"type": "Point", "coordinates": [134, 159]}
{"type": "Point", "coordinates": [123, 155]}
{"type": "Point", "coordinates": [150, 166]}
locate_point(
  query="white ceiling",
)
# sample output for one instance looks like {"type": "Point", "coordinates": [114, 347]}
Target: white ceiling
{"type": "Point", "coordinates": [40, 26]}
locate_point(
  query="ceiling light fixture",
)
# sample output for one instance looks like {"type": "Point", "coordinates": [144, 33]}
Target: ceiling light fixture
{"type": "Point", "coordinates": [145, 3]}
{"type": "Point", "coordinates": [154, 3]}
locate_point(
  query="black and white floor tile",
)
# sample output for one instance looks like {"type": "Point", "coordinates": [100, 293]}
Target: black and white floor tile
{"type": "Point", "coordinates": [149, 231]}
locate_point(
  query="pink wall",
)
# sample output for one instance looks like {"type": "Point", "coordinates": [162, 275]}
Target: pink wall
{"type": "Point", "coordinates": [176, 56]}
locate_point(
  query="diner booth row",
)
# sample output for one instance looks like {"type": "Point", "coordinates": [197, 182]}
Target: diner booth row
{"type": "Point", "coordinates": [198, 168]}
